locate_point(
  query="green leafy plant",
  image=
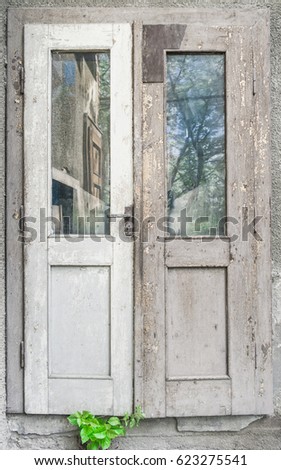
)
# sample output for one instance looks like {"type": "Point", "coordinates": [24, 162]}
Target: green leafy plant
{"type": "Point", "coordinates": [132, 420]}
{"type": "Point", "coordinates": [98, 432]}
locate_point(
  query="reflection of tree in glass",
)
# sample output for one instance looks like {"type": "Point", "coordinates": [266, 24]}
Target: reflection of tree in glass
{"type": "Point", "coordinates": [196, 136]}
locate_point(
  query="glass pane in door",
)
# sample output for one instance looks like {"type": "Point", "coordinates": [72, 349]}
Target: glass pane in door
{"type": "Point", "coordinates": [80, 144]}
{"type": "Point", "coordinates": [195, 143]}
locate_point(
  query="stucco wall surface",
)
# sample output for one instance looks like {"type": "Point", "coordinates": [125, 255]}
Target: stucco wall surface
{"type": "Point", "coordinates": [30, 432]}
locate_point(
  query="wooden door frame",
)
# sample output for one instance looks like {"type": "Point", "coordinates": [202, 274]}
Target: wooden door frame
{"type": "Point", "coordinates": [17, 18]}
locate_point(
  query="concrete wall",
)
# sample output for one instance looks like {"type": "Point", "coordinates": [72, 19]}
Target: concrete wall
{"type": "Point", "coordinates": [29, 432]}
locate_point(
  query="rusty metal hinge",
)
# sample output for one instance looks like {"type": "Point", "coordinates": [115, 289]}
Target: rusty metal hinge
{"type": "Point", "coordinates": [254, 81]}
{"type": "Point", "coordinates": [21, 72]}
{"type": "Point", "coordinates": [22, 356]}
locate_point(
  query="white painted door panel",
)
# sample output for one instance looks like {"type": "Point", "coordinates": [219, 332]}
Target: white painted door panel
{"type": "Point", "coordinates": [78, 295]}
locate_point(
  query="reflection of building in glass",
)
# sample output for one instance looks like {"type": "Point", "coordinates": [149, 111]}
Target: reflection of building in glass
{"type": "Point", "coordinates": [92, 157]}
{"type": "Point", "coordinates": [80, 125]}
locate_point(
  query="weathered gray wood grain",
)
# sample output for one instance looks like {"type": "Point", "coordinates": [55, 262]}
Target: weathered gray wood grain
{"type": "Point", "coordinates": [91, 394]}
{"type": "Point", "coordinates": [153, 252]}
{"type": "Point", "coordinates": [240, 201]}
{"type": "Point", "coordinates": [201, 16]}
{"type": "Point", "coordinates": [261, 47]}
{"type": "Point", "coordinates": [138, 212]}
{"type": "Point", "coordinates": [197, 252]}
{"type": "Point", "coordinates": [36, 197]}
{"type": "Point", "coordinates": [211, 396]}
{"type": "Point", "coordinates": [196, 318]}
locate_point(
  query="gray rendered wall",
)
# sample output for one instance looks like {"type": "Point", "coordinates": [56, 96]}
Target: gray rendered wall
{"type": "Point", "coordinates": [30, 432]}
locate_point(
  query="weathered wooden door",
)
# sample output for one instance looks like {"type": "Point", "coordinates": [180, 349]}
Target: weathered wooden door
{"type": "Point", "coordinates": [78, 261]}
{"type": "Point", "coordinates": [206, 260]}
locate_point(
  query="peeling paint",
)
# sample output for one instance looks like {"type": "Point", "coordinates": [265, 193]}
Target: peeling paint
{"type": "Point", "coordinates": [266, 350]}
{"type": "Point", "coordinates": [164, 432]}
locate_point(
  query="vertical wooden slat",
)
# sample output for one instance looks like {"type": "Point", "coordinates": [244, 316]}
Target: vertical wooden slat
{"type": "Point", "coordinates": [153, 252]}
{"type": "Point", "coordinates": [240, 206]}
{"type": "Point", "coordinates": [36, 263]}
{"type": "Point", "coordinates": [262, 256]}
{"type": "Point", "coordinates": [121, 196]}
{"type": "Point", "coordinates": [138, 213]}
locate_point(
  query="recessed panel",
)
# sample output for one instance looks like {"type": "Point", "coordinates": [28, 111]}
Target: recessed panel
{"type": "Point", "coordinates": [79, 322]}
{"type": "Point", "coordinates": [196, 322]}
